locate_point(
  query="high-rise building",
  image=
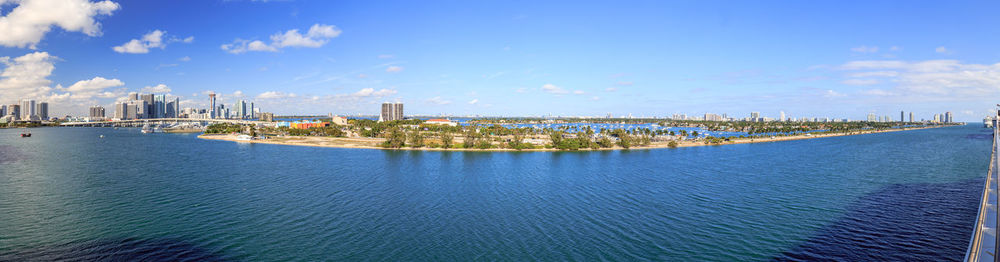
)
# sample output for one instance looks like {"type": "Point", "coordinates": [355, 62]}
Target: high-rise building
{"type": "Point", "coordinates": [911, 116]}
{"type": "Point", "coordinates": [253, 112]}
{"type": "Point", "coordinates": [28, 109]}
{"type": "Point", "coordinates": [937, 117]}
{"type": "Point", "coordinates": [391, 111]}
{"type": "Point", "coordinates": [781, 116]}
{"type": "Point", "coordinates": [872, 117]}
{"type": "Point", "coordinates": [211, 102]}
{"type": "Point", "coordinates": [241, 109]}
{"type": "Point", "coordinates": [159, 106]}
{"type": "Point", "coordinates": [3, 110]}
{"type": "Point", "coordinates": [97, 112]}
{"type": "Point", "coordinates": [147, 110]}
{"type": "Point", "coordinates": [14, 111]}
{"type": "Point", "coordinates": [120, 110]}
{"type": "Point", "coordinates": [133, 96]}
{"type": "Point", "coordinates": [43, 111]}
{"type": "Point", "coordinates": [947, 117]}
{"type": "Point", "coordinates": [901, 118]}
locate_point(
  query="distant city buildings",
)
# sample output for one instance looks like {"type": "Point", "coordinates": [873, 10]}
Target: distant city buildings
{"type": "Point", "coordinates": [97, 112]}
{"type": "Point", "coordinates": [391, 112]}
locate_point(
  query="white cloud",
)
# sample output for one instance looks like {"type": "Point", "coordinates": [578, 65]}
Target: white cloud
{"type": "Point", "coordinates": [473, 101]}
{"type": "Point", "coordinates": [831, 94]}
{"type": "Point", "coordinates": [437, 100]}
{"type": "Point", "coordinates": [942, 50]}
{"type": "Point", "coordinates": [394, 69]}
{"type": "Point", "coordinates": [161, 88]}
{"type": "Point", "coordinates": [154, 39]}
{"type": "Point", "coordinates": [275, 95]}
{"type": "Point", "coordinates": [26, 24]}
{"type": "Point", "coordinates": [88, 89]}
{"type": "Point", "coordinates": [624, 83]}
{"type": "Point", "coordinates": [611, 89]}
{"type": "Point", "coordinates": [595, 98]}
{"type": "Point", "coordinates": [553, 89]}
{"type": "Point", "coordinates": [865, 49]}
{"type": "Point", "coordinates": [26, 76]}
{"type": "Point", "coordinates": [941, 79]}
{"type": "Point", "coordinates": [317, 36]}
{"type": "Point", "coordinates": [579, 92]}
{"type": "Point", "coordinates": [895, 48]}
{"type": "Point", "coordinates": [362, 76]}
{"type": "Point", "coordinates": [240, 46]}
{"type": "Point", "coordinates": [878, 92]}
{"type": "Point", "coordinates": [875, 74]}
{"type": "Point", "coordinates": [860, 82]}
{"type": "Point", "coordinates": [371, 92]}
{"type": "Point", "coordinates": [185, 59]}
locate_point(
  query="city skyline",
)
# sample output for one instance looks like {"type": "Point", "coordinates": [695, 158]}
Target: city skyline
{"type": "Point", "coordinates": [494, 59]}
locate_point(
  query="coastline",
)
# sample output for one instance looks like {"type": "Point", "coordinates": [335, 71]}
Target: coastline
{"type": "Point", "coordinates": [371, 143]}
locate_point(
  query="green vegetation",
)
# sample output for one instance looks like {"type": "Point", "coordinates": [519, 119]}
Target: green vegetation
{"type": "Point", "coordinates": [223, 128]}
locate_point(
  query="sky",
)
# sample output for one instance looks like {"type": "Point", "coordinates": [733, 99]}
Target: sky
{"type": "Point", "coordinates": [840, 59]}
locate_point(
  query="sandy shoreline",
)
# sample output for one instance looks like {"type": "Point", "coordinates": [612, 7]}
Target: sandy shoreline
{"type": "Point", "coordinates": [371, 143]}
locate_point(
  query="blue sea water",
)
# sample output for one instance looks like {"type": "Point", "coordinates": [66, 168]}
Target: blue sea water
{"type": "Point", "coordinates": [67, 194]}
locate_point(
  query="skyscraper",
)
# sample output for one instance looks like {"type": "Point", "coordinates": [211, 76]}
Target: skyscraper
{"type": "Point", "coordinates": [159, 106]}
{"type": "Point", "coordinates": [133, 96]}
{"type": "Point", "coordinates": [28, 109]}
{"type": "Point", "coordinates": [911, 116]}
{"type": "Point", "coordinates": [781, 116]}
{"type": "Point", "coordinates": [14, 111]}
{"type": "Point", "coordinates": [901, 118]}
{"type": "Point", "coordinates": [211, 99]}
{"type": "Point", "coordinates": [391, 111]}
{"type": "Point", "coordinates": [947, 117]}
{"type": "Point", "coordinates": [97, 112]}
{"type": "Point", "coordinates": [241, 109]}
{"type": "Point", "coordinates": [147, 110]}
{"type": "Point", "coordinates": [43, 111]}
{"type": "Point", "coordinates": [872, 117]}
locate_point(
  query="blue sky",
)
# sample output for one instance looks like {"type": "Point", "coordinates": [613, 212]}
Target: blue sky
{"type": "Point", "coordinates": [840, 59]}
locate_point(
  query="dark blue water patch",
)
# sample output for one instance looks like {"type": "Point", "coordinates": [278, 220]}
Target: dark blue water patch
{"type": "Point", "coordinates": [980, 136]}
{"type": "Point", "coordinates": [9, 154]}
{"type": "Point", "coordinates": [902, 222]}
{"type": "Point", "coordinates": [126, 249]}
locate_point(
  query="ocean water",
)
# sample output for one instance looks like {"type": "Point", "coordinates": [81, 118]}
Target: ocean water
{"type": "Point", "coordinates": [66, 194]}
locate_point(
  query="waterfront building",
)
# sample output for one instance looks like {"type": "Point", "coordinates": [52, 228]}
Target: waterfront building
{"type": "Point", "coordinates": [119, 111]}
{"type": "Point", "coordinates": [28, 109]}
{"type": "Point", "coordinates": [937, 118]}
{"type": "Point", "coordinates": [3, 110]}
{"type": "Point", "coordinates": [133, 96]}
{"type": "Point", "coordinates": [147, 109]}
{"type": "Point", "coordinates": [14, 111]}
{"type": "Point", "coordinates": [901, 118]}
{"type": "Point", "coordinates": [306, 124]}
{"type": "Point", "coordinates": [948, 117]}
{"type": "Point", "coordinates": [781, 116]}
{"type": "Point", "coordinates": [241, 109]}
{"type": "Point", "coordinates": [911, 116]}
{"type": "Point", "coordinates": [43, 111]}
{"type": "Point", "coordinates": [159, 106]}
{"type": "Point", "coordinates": [391, 111]}
{"type": "Point", "coordinates": [96, 112]}
{"type": "Point", "coordinates": [872, 117]}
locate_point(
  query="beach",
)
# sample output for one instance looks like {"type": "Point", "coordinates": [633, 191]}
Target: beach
{"type": "Point", "coordinates": [372, 143]}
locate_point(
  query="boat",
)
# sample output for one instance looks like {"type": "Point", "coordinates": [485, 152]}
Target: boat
{"type": "Point", "coordinates": [146, 129]}
{"type": "Point", "coordinates": [25, 133]}
{"type": "Point", "coordinates": [244, 138]}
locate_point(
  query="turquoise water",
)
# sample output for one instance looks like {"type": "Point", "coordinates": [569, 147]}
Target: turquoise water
{"type": "Point", "coordinates": [65, 193]}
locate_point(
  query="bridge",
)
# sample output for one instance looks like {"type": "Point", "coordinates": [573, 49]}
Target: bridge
{"type": "Point", "coordinates": [140, 122]}
{"type": "Point", "coordinates": [984, 244]}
